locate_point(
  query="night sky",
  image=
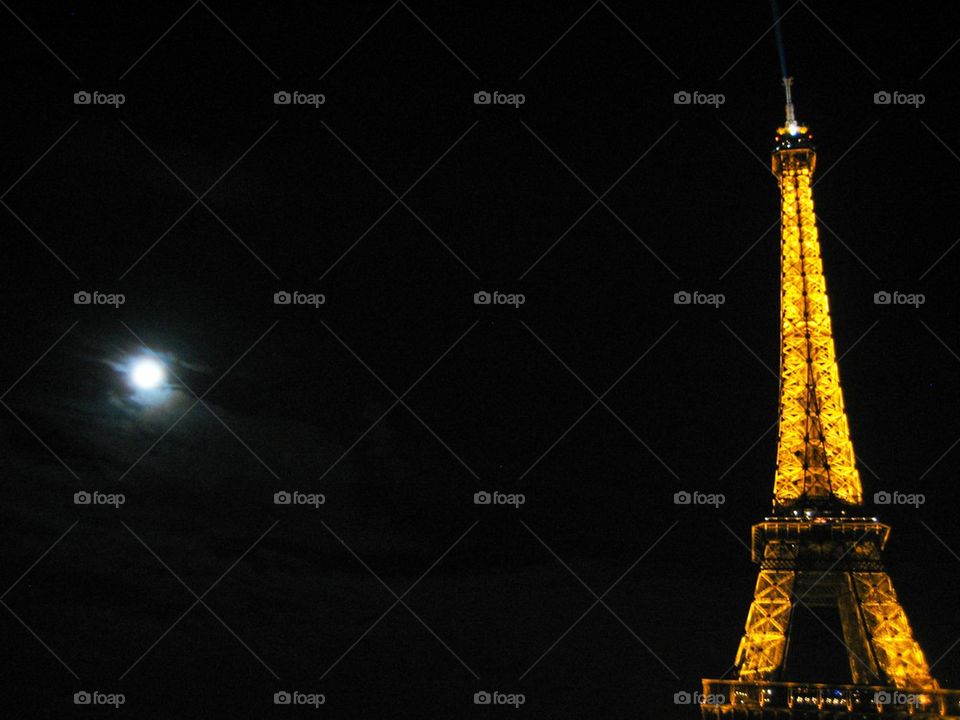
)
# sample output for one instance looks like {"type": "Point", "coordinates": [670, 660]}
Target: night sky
{"type": "Point", "coordinates": [398, 199]}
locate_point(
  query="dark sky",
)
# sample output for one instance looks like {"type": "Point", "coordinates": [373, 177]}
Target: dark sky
{"type": "Point", "coordinates": [491, 197]}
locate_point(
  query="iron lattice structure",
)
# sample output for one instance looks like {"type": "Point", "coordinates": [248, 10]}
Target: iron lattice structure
{"type": "Point", "coordinates": [815, 455]}
{"type": "Point", "coordinates": [817, 549]}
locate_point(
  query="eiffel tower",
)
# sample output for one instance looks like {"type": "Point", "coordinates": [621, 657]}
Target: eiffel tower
{"type": "Point", "coordinates": [819, 549]}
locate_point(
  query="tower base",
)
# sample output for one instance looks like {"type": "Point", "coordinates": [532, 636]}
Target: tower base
{"type": "Point", "coordinates": [739, 700]}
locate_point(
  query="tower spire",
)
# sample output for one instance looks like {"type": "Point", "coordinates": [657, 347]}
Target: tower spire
{"type": "Point", "coordinates": [791, 123]}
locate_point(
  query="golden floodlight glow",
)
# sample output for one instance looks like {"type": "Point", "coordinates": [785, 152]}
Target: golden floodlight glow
{"type": "Point", "coordinates": [815, 456]}
{"type": "Point", "coordinates": [819, 548]}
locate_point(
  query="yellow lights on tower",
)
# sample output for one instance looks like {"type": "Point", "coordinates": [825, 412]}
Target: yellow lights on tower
{"type": "Point", "coordinates": [815, 551]}
{"type": "Point", "coordinates": [815, 459]}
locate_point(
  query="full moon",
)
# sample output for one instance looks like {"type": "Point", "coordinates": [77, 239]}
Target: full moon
{"type": "Point", "coordinates": [147, 374]}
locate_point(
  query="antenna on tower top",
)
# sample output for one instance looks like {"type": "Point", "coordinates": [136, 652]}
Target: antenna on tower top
{"type": "Point", "coordinates": [791, 125]}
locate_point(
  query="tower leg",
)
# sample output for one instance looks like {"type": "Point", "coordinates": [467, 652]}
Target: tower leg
{"type": "Point", "coordinates": [764, 643]}
{"type": "Point", "coordinates": [898, 655]}
{"type": "Point", "coordinates": [856, 636]}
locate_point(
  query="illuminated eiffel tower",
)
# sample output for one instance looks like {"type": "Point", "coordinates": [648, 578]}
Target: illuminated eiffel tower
{"type": "Point", "coordinates": [818, 549]}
